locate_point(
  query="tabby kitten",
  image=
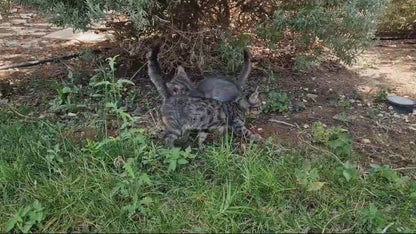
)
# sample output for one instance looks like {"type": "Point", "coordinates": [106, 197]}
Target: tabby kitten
{"type": "Point", "coordinates": [182, 113]}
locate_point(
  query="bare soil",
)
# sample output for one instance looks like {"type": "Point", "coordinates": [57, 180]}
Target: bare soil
{"type": "Point", "coordinates": [381, 138]}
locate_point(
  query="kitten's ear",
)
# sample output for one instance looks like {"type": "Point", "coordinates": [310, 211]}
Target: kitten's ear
{"type": "Point", "coordinates": [254, 97]}
{"type": "Point", "coordinates": [182, 74]}
{"type": "Point", "coordinates": [181, 70]}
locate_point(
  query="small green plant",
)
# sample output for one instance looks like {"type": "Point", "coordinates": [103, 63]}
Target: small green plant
{"type": "Point", "coordinates": [382, 94]}
{"type": "Point", "coordinates": [277, 102]}
{"type": "Point", "coordinates": [340, 142]}
{"type": "Point", "coordinates": [308, 177]}
{"type": "Point", "coordinates": [344, 104]}
{"type": "Point", "coordinates": [335, 138]}
{"type": "Point", "coordinates": [109, 90]}
{"type": "Point", "coordinates": [176, 156]}
{"type": "Point", "coordinates": [373, 112]}
{"type": "Point", "coordinates": [319, 133]}
{"type": "Point", "coordinates": [344, 118]}
{"type": "Point", "coordinates": [26, 218]}
{"type": "Point", "coordinates": [386, 173]}
{"type": "Point", "coordinates": [349, 171]}
{"type": "Point", "coordinates": [372, 219]}
{"type": "Point", "coordinates": [131, 187]}
{"type": "Point", "coordinates": [66, 99]}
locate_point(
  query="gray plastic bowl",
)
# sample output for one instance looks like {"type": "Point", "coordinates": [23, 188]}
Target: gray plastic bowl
{"type": "Point", "coordinates": [401, 105]}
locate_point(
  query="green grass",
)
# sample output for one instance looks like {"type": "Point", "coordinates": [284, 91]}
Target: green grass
{"type": "Point", "coordinates": [79, 187]}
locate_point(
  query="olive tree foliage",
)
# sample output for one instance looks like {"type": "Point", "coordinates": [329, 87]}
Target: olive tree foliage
{"type": "Point", "coordinates": [306, 26]}
{"type": "Point", "coordinates": [399, 19]}
{"type": "Point", "coordinates": [5, 7]}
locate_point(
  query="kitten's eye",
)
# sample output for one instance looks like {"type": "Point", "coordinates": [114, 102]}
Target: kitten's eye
{"type": "Point", "coordinates": [175, 90]}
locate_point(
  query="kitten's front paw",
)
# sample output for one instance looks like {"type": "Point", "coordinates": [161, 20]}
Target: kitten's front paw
{"type": "Point", "coordinates": [256, 137]}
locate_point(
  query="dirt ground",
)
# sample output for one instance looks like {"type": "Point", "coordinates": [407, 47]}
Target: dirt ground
{"type": "Point", "coordinates": [381, 138]}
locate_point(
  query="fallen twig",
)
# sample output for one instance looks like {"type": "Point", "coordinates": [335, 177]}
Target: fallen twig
{"type": "Point", "coordinates": [282, 122]}
{"type": "Point", "coordinates": [404, 168]}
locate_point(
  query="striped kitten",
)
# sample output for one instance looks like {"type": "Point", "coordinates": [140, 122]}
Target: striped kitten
{"type": "Point", "coordinates": [182, 113]}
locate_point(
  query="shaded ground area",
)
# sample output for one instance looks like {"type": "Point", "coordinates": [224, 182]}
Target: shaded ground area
{"type": "Point", "coordinates": [332, 94]}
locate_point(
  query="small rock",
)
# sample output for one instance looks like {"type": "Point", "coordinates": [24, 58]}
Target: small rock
{"type": "Point", "coordinates": [365, 141]}
{"type": "Point", "coordinates": [390, 108]}
{"type": "Point", "coordinates": [380, 115]}
{"type": "Point", "coordinates": [12, 43]}
{"type": "Point", "coordinates": [18, 21]}
{"type": "Point", "coordinates": [359, 104]}
{"type": "Point", "coordinates": [27, 15]}
{"type": "Point", "coordinates": [306, 89]}
{"type": "Point", "coordinates": [304, 100]}
{"type": "Point", "coordinates": [330, 90]}
{"type": "Point", "coordinates": [311, 96]}
{"type": "Point", "coordinates": [313, 78]}
{"type": "Point", "coordinates": [305, 126]}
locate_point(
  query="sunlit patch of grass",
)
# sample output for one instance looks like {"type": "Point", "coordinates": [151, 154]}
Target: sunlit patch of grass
{"type": "Point", "coordinates": [81, 187]}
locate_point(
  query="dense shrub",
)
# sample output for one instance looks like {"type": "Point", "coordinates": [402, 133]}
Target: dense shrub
{"type": "Point", "coordinates": [399, 19]}
{"type": "Point", "coordinates": [4, 7]}
{"type": "Point", "coordinates": [200, 27]}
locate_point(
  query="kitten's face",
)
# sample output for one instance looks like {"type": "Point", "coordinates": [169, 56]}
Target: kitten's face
{"type": "Point", "coordinates": [180, 84]}
{"type": "Point", "coordinates": [254, 102]}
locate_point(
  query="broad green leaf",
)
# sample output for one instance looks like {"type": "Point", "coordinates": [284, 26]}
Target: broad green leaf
{"type": "Point", "coordinates": [172, 165]}
{"type": "Point", "coordinates": [10, 224]}
{"type": "Point", "coordinates": [125, 81]}
{"type": "Point", "coordinates": [66, 90]}
{"type": "Point", "coordinates": [182, 161]}
{"type": "Point", "coordinates": [59, 159]}
{"type": "Point", "coordinates": [36, 204]}
{"type": "Point", "coordinates": [146, 201]}
{"type": "Point", "coordinates": [347, 175]}
{"type": "Point", "coordinates": [27, 227]}
{"type": "Point", "coordinates": [145, 178]}
{"type": "Point", "coordinates": [97, 95]}
{"type": "Point", "coordinates": [105, 83]}
{"type": "Point", "coordinates": [314, 186]}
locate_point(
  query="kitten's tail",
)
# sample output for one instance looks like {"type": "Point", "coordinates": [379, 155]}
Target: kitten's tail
{"type": "Point", "coordinates": [245, 72]}
{"type": "Point", "coordinates": [155, 73]}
